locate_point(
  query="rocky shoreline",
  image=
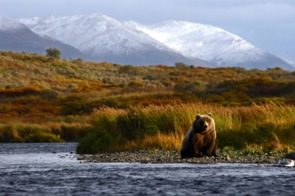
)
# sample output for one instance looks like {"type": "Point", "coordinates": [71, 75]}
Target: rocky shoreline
{"type": "Point", "coordinates": [164, 156]}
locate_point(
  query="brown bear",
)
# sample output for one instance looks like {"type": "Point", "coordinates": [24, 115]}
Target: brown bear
{"type": "Point", "coordinates": [200, 140]}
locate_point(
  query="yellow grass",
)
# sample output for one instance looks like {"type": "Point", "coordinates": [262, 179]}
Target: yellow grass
{"type": "Point", "coordinates": [270, 126]}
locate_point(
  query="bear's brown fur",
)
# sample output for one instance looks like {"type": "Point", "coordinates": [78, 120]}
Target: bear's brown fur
{"type": "Point", "coordinates": [200, 140]}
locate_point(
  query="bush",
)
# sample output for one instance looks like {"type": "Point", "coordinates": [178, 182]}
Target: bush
{"type": "Point", "coordinates": [135, 84]}
{"type": "Point", "coordinates": [75, 105]}
{"type": "Point", "coordinates": [26, 133]}
{"type": "Point", "coordinates": [53, 52]}
{"type": "Point", "coordinates": [73, 133]}
{"type": "Point", "coordinates": [22, 91]}
{"type": "Point", "coordinates": [104, 136]}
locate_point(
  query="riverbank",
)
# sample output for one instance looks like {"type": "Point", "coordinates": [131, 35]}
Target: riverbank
{"type": "Point", "coordinates": [163, 156]}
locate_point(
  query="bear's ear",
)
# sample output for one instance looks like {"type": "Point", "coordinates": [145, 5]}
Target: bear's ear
{"type": "Point", "coordinates": [210, 114]}
{"type": "Point", "coordinates": [198, 116]}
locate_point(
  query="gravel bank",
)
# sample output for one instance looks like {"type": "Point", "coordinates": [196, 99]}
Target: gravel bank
{"type": "Point", "coordinates": [163, 156]}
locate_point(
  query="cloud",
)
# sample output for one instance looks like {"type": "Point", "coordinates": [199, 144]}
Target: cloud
{"type": "Point", "coordinates": [242, 11]}
{"type": "Point", "coordinates": [150, 11]}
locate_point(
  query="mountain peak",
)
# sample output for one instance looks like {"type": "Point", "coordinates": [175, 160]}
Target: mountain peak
{"type": "Point", "coordinates": [69, 28]}
{"type": "Point", "coordinates": [8, 24]}
{"type": "Point", "coordinates": [107, 39]}
{"type": "Point", "coordinates": [216, 46]}
{"type": "Point", "coordinates": [195, 39]}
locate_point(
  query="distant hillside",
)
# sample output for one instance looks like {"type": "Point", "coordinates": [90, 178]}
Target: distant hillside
{"type": "Point", "coordinates": [184, 83]}
{"type": "Point", "coordinates": [107, 39]}
{"type": "Point", "coordinates": [16, 37]}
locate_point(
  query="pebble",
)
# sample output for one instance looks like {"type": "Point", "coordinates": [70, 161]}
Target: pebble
{"type": "Point", "coordinates": [165, 156]}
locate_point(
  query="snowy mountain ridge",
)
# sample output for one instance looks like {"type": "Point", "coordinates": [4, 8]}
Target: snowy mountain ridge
{"type": "Point", "coordinates": [206, 42]}
{"type": "Point", "coordinates": [105, 38]}
{"type": "Point", "coordinates": [180, 41]}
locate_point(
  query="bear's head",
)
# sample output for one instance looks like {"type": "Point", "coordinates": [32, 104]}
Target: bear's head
{"type": "Point", "coordinates": [203, 123]}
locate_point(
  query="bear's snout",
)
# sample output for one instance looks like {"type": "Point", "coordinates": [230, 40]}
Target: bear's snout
{"type": "Point", "coordinates": [205, 126]}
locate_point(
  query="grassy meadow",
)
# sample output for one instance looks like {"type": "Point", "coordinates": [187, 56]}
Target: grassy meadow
{"type": "Point", "coordinates": [110, 107]}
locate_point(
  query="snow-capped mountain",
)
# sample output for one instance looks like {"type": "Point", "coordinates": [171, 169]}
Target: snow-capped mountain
{"type": "Point", "coordinates": [7, 24]}
{"type": "Point", "coordinates": [14, 36]}
{"type": "Point", "coordinates": [212, 44]}
{"type": "Point", "coordinates": [107, 39]}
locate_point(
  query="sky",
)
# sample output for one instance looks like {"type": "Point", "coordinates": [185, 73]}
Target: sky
{"type": "Point", "coordinates": [267, 24]}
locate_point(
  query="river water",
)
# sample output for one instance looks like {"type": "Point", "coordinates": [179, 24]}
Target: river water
{"type": "Point", "coordinates": [52, 169]}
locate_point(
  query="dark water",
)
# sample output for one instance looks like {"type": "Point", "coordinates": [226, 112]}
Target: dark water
{"type": "Point", "coordinates": [50, 169]}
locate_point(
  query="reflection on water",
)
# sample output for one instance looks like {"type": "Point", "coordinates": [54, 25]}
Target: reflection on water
{"type": "Point", "coordinates": [48, 169]}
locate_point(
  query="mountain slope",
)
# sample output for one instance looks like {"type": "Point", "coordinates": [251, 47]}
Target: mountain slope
{"type": "Point", "coordinates": [212, 44]}
{"type": "Point", "coordinates": [16, 37]}
{"type": "Point", "coordinates": [107, 39]}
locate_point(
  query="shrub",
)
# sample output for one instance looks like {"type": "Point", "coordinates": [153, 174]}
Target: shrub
{"type": "Point", "coordinates": [22, 91]}
{"type": "Point", "coordinates": [105, 135]}
{"type": "Point", "coordinates": [27, 133]}
{"type": "Point", "coordinates": [135, 83]}
{"type": "Point", "coordinates": [75, 104]}
{"type": "Point", "coordinates": [53, 52]}
{"type": "Point", "coordinates": [73, 133]}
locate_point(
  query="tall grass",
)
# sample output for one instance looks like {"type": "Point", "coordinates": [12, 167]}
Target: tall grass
{"type": "Point", "coordinates": [270, 126]}
{"type": "Point", "coordinates": [52, 132]}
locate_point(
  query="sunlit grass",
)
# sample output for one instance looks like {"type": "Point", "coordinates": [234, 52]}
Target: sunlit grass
{"type": "Point", "coordinates": [269, 126]}
{"type": "Point", "coordinates": [49, 132]}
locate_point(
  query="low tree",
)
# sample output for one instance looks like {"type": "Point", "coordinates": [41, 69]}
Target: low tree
{"type": "Point", "coordinates": [53, 52]}
{"type": "Point", "coordinates": [181, 65]}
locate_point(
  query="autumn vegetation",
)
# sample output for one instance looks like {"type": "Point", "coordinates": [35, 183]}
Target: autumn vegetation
{"type": "Point", "coordinates": [111, 107]}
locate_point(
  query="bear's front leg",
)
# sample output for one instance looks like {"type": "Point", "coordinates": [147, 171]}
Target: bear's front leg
{"type": "Point", "coordinates": [211, 150]}
{"type": "Point", "coordinates": [197, 152]}
{"type": "Point", "coordinates": [197, 146]}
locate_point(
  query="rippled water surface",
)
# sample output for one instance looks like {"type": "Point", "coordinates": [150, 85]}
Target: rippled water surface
{"type": "Point", "coordinates": [35, 169]}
